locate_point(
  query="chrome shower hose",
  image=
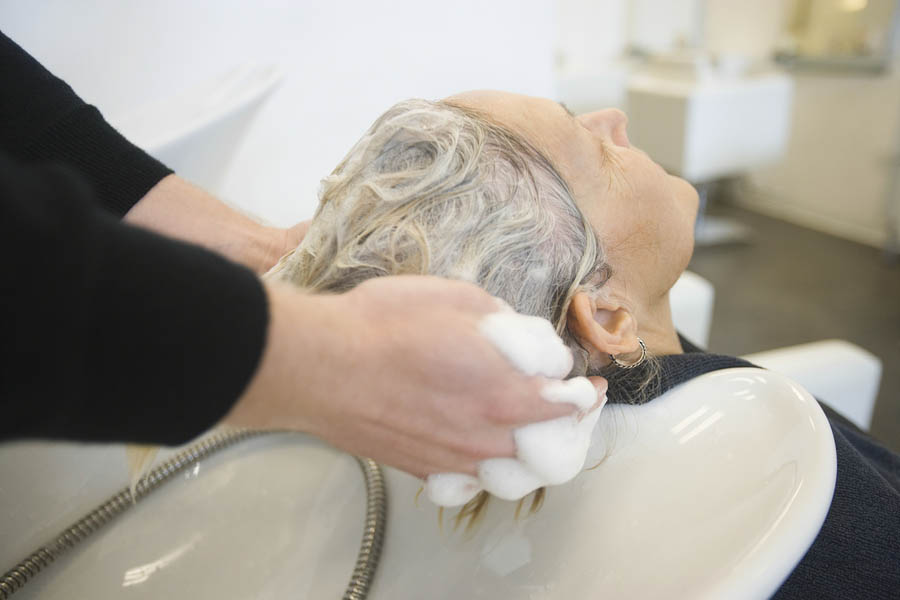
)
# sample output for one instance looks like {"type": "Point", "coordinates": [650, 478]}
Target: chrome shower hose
{"type": "Point", "coordinates": [366, 562]}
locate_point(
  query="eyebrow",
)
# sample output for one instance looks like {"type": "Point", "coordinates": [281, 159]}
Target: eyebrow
{"type": "Point", "coordinates": [566, 108]}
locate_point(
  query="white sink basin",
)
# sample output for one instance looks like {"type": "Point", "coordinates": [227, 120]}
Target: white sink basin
{"type": "Point", "coordinates": [715, 489]}
{"type": "Point", "coordinates": [706, 129]}
{"type": "Point", "coordinates": [272, 517]}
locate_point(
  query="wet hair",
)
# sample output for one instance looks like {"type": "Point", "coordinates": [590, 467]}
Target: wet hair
{"type": "Point", "coordinates": [440, 189]}
{"type": "Point", "coordinates": [434, 188]}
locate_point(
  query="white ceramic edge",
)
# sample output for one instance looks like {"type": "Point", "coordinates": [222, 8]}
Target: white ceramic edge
{"type": "Point", "coordinates": [765, 574]}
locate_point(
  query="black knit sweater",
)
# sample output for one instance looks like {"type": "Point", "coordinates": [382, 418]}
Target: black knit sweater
{"type": "Point", "coordinates": [107, 332]}
{"type": "Point", "coordinates": [857, 551]}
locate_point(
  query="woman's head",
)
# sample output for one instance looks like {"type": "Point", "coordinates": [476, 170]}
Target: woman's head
{"type": "Point", "coordinates": [442, 189]}
{"type": "Point", "coordinates": [558, 216]}
{"type": "Point", "coordinates": [643, 216]}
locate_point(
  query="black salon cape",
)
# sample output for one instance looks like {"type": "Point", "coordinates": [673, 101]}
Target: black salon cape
{"type": "Point", "coordinates": [107, 332]}
{"type": "Point", "coordinates": [857, 552]}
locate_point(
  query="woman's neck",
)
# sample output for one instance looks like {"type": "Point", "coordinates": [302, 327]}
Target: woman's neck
{"type": "Point", "coordinates": [656, 328]}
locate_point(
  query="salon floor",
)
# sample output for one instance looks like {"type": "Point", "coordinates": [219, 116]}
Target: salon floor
{"type": "Point", "coordinates": [789, 285]}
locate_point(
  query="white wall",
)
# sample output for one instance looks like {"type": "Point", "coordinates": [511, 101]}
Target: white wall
{"type": "Point", "coordinates": [660, 25]}
{"type": "Point", "coordinates": [345, 61]}
{"type": "Point", "coordinates": [591, 34]}
{"type": "Point", "coordinates": [749, 29]}
{"type": "Point", "coordinates": [841, 154]}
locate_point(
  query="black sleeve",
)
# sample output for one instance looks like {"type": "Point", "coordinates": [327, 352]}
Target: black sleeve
{"type": "Point", "coordinates": [43, 120]}
{"type": "Point", "coordinates": [109, 332]}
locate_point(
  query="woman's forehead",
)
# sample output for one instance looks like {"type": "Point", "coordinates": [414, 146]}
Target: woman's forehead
{"type": "Point", "coordinates": [546, 124]}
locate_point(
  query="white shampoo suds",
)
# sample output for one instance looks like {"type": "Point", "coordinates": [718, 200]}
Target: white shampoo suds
{"type": "Point", "coordinates": [547, 453]}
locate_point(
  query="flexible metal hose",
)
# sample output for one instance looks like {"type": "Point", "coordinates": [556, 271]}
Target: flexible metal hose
{"type": "Point", "coordinates": [373, 534]}
{"type": "Point", "coordinates": [366, 562]}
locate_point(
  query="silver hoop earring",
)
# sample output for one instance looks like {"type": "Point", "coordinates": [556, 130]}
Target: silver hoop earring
{"type": "Point", "coordinates": [635, 363]}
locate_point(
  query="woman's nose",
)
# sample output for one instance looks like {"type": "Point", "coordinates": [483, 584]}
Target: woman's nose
{"type": "Point", "coordinates": [610, 122]}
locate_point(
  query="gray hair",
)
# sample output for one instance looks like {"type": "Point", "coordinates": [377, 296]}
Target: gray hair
{"type": "Point", "coordinates": [435, 188]}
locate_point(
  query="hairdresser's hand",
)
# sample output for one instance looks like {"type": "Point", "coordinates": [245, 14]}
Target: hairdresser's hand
{"type": "Point", "coordinates": [395, 370]}
{"type": "Point", "coordinates": [292, 238]}
{"type": "Point", "coordinates": [179, 209]}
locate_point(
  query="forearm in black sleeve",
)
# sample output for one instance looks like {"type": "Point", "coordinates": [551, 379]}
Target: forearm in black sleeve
{"type": "Point", "coordinates": [43, 120]}
{"type": "Point", "coordinates": [110, 332]}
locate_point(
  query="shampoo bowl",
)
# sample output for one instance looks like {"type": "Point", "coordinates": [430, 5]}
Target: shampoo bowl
{"type": "Point", "coordinates": [715, 489]}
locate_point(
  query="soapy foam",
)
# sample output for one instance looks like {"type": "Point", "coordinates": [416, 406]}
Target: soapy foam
{"type": "Point", "coordinates": [578, 391]}
{"type": "Point", "coordinates": [451, 489]}
{"type": "Point", "coordinates": [507, 478]}
{"type": "Point", "coordinates": [547, 453]}
{"type": "Point", "coordinates": [529, 343]}
{"type": "Point", "coordinates": [555, 450]}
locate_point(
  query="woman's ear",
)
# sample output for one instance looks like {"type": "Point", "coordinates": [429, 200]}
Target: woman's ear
{"type": "Point", "coordinates": [602, 327]}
